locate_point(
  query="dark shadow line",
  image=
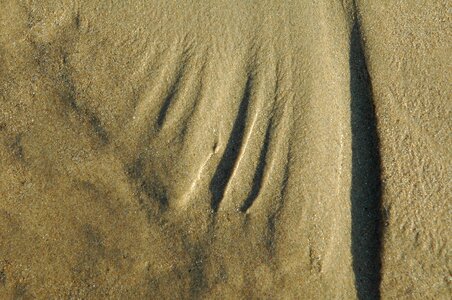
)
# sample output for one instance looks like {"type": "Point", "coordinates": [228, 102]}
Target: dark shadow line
{"type": "Point", "coordinates": [69, 98]}
{"type": "Point", "coordinates": [155, 191]}
{"type": "Point", "coordinates": [97, 127]}
{"type": "Point", "coordinates": [174, 88]}
{"type": "Point", "coordinates": [169, 98]}
{"type": "Point", "coordinates": [224, 170]}
{"type": "Point", "coordinates": [366, 176]}
{"type": "Point", "coordinates": [259, 173]}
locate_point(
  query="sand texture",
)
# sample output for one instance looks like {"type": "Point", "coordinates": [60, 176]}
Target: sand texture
{"type": "Point", "coordinates": [217, 149]}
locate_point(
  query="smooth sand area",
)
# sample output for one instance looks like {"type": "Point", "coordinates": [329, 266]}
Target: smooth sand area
{"type": "Point", "coordinates": [221, 149]}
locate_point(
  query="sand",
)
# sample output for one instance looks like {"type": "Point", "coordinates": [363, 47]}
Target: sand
{"type": "Point", "coordinates": [225, 149]}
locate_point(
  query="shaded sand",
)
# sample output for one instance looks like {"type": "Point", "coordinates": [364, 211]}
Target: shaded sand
{"type": "Point", "coordinates": [224, 149]}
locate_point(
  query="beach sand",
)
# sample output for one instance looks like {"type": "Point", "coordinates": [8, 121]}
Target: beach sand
{"type": "Point", "coordinates": [225, 149]}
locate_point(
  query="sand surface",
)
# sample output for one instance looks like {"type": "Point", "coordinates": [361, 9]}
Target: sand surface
{"type": "Point", "coordinates": [225, 149]}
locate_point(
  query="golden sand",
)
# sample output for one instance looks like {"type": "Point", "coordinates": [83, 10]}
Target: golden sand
{"type": "Point", "coordinates": [225, 149]}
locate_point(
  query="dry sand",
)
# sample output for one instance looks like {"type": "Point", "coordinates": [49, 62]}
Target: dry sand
{"type": "Point", "coordinates": [225, 149]}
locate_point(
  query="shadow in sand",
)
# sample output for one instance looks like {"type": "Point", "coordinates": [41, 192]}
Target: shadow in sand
{"type": "Point", "coordinates": [366, 185]}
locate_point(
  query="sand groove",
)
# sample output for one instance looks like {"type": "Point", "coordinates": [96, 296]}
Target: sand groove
{"type": "Point", "coordinates": [259, 172]}
{"type": "Point", "coordinates": [225, 168]}
{"type": "Point", "coordinates": [174, 88]}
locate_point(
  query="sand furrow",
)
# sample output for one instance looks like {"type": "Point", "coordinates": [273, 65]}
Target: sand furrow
{"type": "Point", "coordinates": [225, 168]}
